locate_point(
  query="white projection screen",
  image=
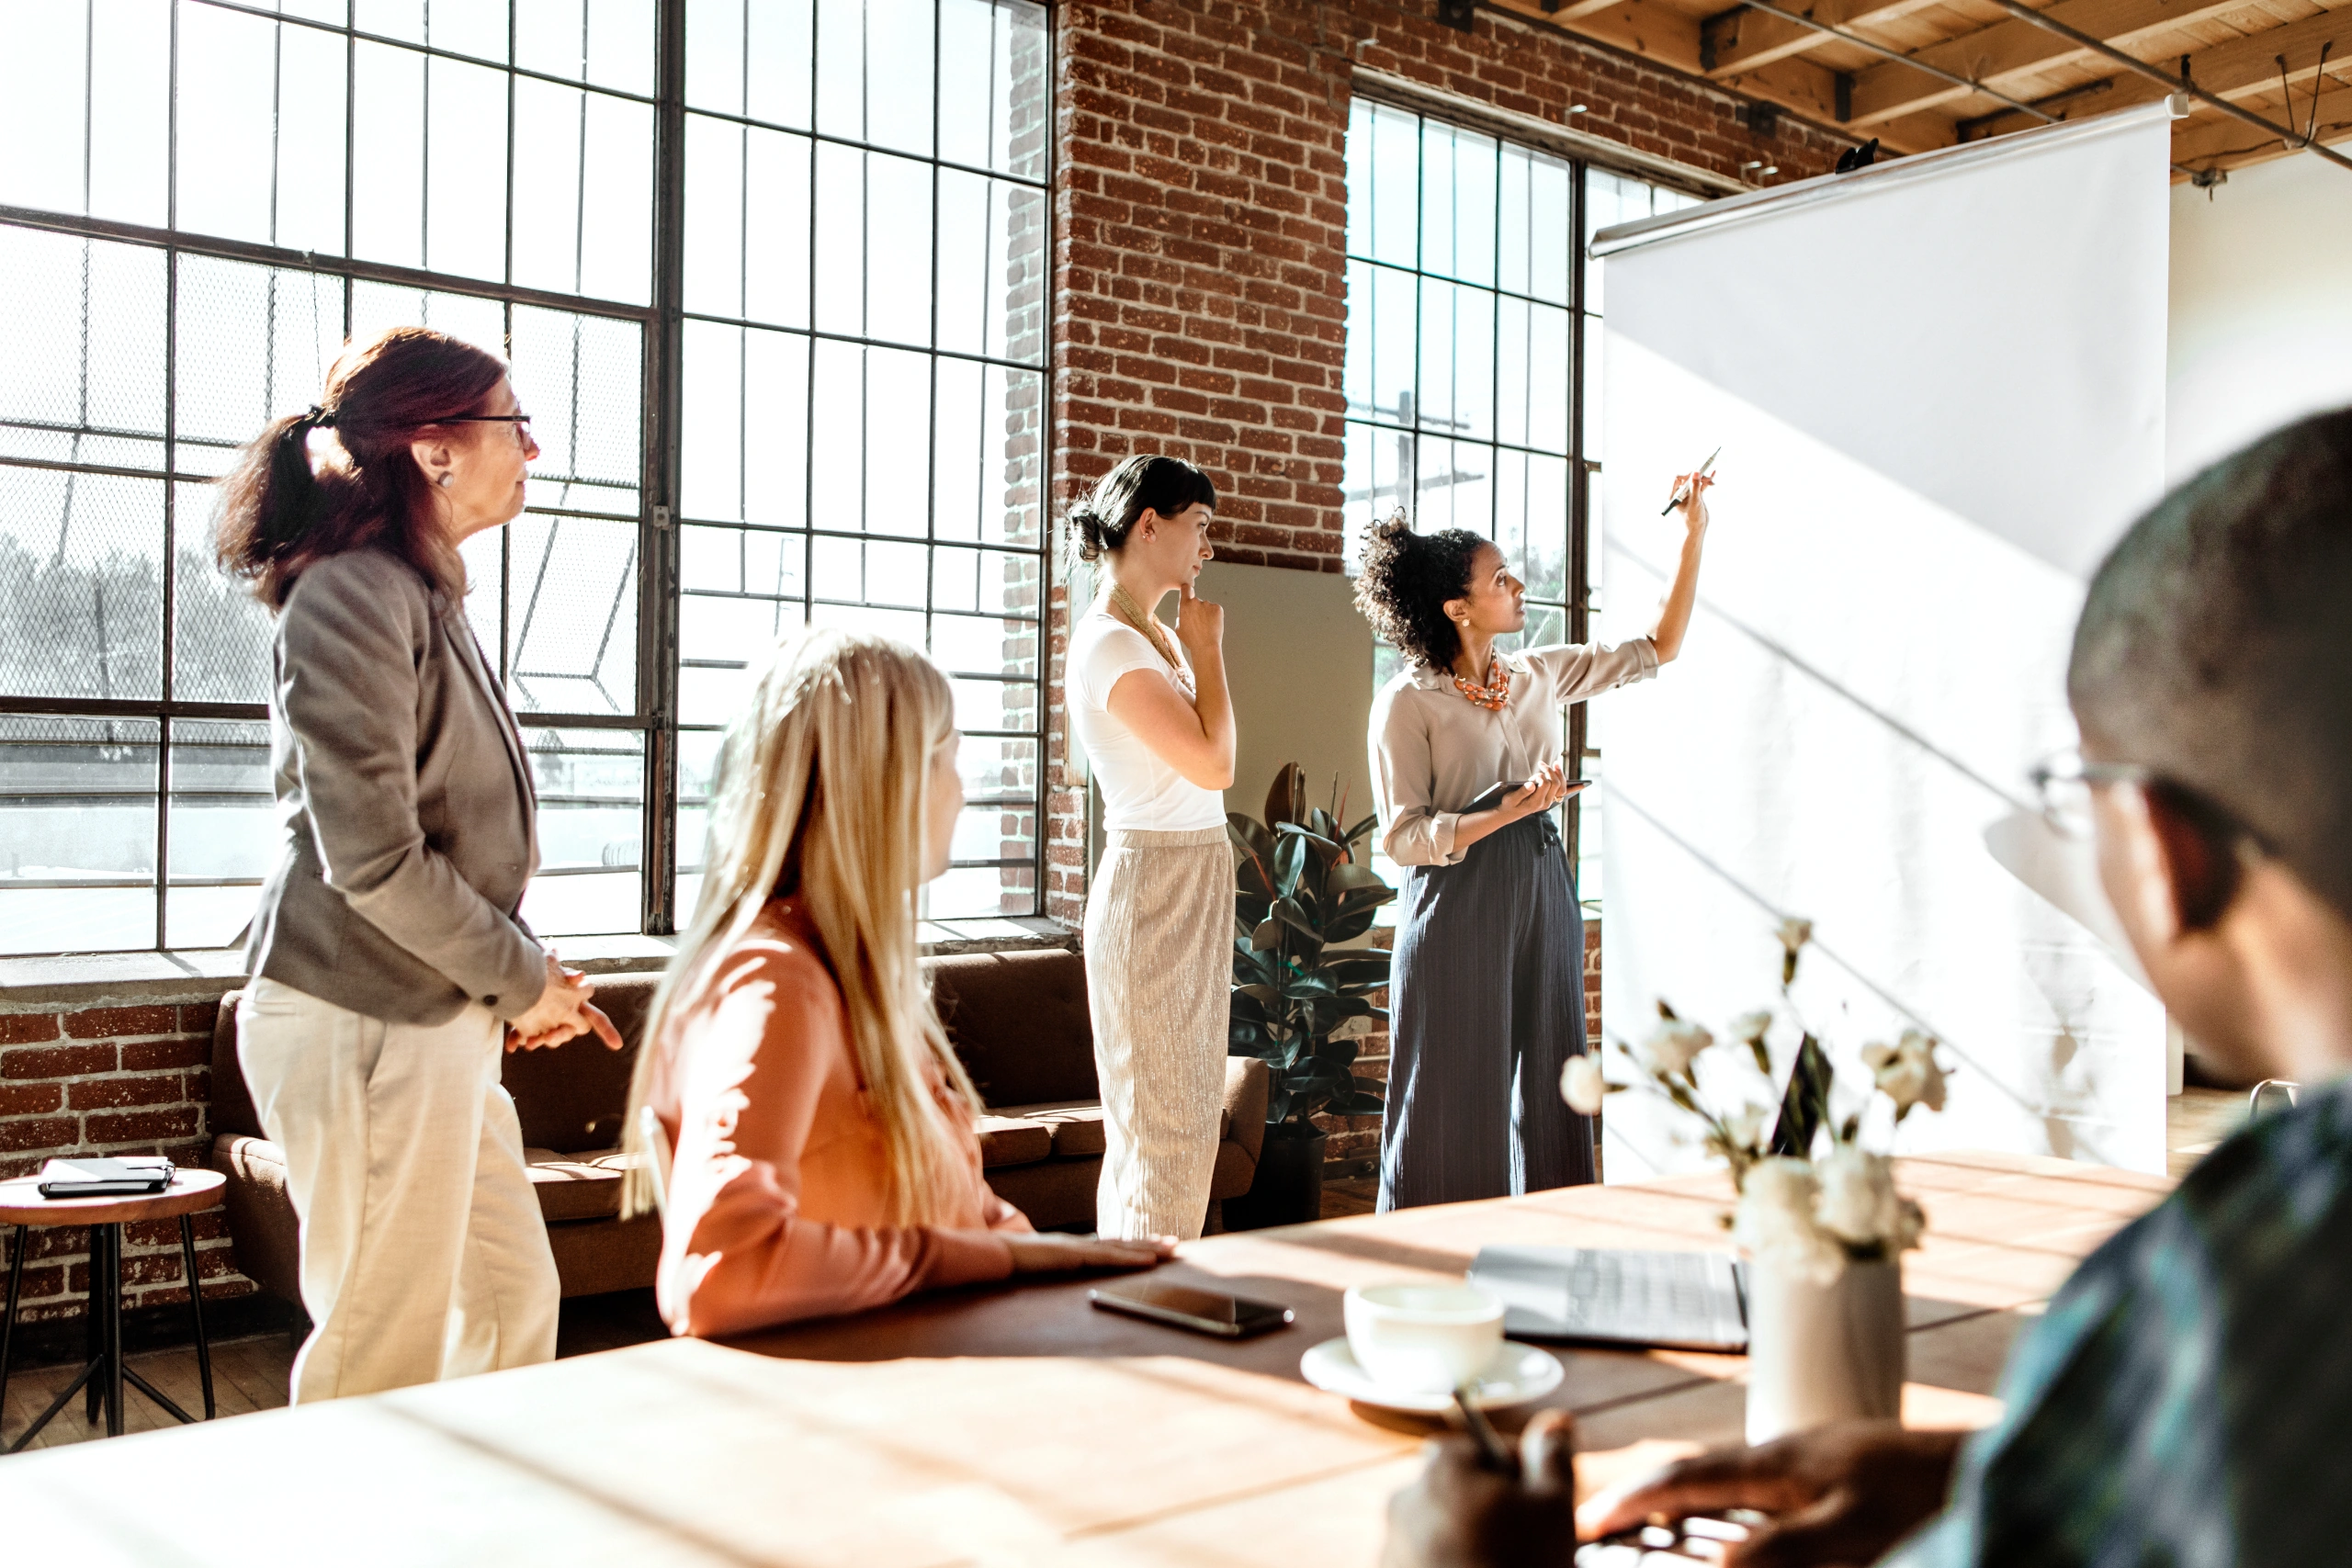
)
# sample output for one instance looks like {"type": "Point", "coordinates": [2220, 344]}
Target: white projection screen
{"type": "Point", "coordinates": [1939, 387]}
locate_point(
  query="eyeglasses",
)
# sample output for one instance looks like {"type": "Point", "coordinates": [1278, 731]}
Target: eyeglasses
{"type": "Point", "coordinates": [521, 422]}
{"type": "Point", "coordinates": [2063, 784]}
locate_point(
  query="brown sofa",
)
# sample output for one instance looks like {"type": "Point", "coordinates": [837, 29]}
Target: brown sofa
{"type": "Point", "coordinates": [1019, 1021]}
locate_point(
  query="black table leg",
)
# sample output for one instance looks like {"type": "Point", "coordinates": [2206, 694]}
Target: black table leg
{"type": "Point", "coordinates": [94, 1326]}
{"type": "Point", "coordinates": [8, 1324]}
{"type": "Point", "coordinates": [195, 1305]}
{"type": "Point", "coordinates": [114, 1329]}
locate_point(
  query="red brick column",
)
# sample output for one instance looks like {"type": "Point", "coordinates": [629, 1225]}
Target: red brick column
{"type": "Point", "coordinates": [112, 1080]}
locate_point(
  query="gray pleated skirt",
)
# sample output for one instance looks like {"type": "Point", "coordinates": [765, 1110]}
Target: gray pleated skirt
{"type": "Point", "coordinates": [1486, 1006]}
{"type": "Point", "coordinates": [1158, 983]}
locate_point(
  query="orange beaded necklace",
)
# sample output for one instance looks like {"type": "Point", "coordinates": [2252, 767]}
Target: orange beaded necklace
{"type": "Point", "coordinates": [1495, 694]}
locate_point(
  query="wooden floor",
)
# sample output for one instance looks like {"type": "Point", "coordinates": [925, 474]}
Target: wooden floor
{"type": "Point", "coordinates": [251, 1374]}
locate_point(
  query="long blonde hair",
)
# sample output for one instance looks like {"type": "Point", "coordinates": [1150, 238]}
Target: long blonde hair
{"type": "Point", "coordinates": [823, 791]}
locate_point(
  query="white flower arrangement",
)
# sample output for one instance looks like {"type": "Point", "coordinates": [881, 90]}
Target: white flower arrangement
{"type": "Point", "coordinates": [1806, 1212]}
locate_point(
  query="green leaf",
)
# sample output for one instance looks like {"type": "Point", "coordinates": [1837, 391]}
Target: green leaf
{"type": "Point", "coordinates": [1361, 828]}
{"type": "Point", "coordinates": [1360, 968]}
{"type": "Point", "coordinates": [1290, 862]}
{"type": "Point", "coordinates": [1348, 925]}
{"type": "Point", "coordinates": [1358, 1104]}
{"type": "Point", "coordinates": [1268, 933]}
{"type": "Point", "coordinates": [1324, 848]}
{"type": "Point", "coordinates": [1248, 1007]}
{"type": "Point", "coordinates": [1289, 913]}
{"type": "Point", "coordinates": [1250, 835]}
{"type": "Point", "coordinates": [1271, 996]}
{"type": "Point", "coordinates": [1349, 878]}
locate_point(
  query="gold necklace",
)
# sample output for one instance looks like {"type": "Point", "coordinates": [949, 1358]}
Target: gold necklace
{"type": "Point", "coordinates": [1124, 608]}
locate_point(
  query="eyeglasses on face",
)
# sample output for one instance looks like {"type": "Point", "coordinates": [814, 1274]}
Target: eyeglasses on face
{"type": "Point", "coordinates": [2063, 783]}
{"type": "Point", "coordinates": [521, 422]}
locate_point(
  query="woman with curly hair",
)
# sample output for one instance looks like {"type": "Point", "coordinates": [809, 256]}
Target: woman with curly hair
{"type": "Point", "coordinates": [1486, 998]}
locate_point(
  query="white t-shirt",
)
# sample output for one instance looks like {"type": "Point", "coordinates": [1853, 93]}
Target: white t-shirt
{"type": "Point", "coordinates": [1139, 789]}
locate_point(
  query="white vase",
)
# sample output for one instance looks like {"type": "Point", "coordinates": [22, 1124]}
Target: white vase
{"type": "Point", "coordinates": [1819, 1352]}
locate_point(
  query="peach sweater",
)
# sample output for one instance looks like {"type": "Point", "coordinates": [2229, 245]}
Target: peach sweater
{"type": "Point", "coordinates": [776, 1185]}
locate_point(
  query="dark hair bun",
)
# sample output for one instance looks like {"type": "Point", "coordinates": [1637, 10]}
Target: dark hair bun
{"type": "Point", "coordinates": [1087, 532]}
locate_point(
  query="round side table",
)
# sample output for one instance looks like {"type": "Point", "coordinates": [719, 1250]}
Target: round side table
{"type": "Point", "coordinates": [22, 1205]}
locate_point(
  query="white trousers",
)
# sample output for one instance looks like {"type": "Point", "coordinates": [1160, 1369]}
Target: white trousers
{"type": "Point", "coordinates": [1158, 980]}
{"type": "Point", "coordinates": [422, 1253]}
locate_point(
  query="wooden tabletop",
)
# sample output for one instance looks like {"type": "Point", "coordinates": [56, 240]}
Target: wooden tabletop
{"type": "Point", "coordinates": [190, 1191]}
{"type": "Point", "coordinates": [1013, 1427]}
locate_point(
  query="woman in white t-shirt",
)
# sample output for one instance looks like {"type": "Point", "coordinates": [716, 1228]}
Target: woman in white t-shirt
{"type": "Point", "coordinates": [1157, 724]}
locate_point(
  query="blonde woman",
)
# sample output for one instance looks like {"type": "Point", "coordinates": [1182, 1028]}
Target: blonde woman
{"type": "Point", "coordinates": [826, 1158]}
{"type": "Point", "coordinates": [1155, 721]}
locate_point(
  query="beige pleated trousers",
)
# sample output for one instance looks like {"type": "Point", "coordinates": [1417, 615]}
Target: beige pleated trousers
{"type": "Point", "coordinates": [1158, 977]}
{"type": "Point", "coordinates": [422, 1253]}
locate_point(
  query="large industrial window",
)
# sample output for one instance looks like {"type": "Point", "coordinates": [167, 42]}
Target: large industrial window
{"type": "Point", "coordinates": [203, 199]}
{"type": "Point", "coordinates": [864, 389]}
{"type": "Point", "coordinates": [1473, 398]}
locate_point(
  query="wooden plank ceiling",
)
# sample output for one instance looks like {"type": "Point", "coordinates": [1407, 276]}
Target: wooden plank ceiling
{"type": "Point", "coordinates": [2288, 61]}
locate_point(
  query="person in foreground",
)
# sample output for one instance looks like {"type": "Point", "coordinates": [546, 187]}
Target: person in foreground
{"type": "Point", "coordinates": [826, 1156]}
{"type": "Point", "coordinates": [2184, 1399]}
{"type": "Point", "coordinates": [389, 953]}
{"type": "Point", "coordinates": [1486, 995]}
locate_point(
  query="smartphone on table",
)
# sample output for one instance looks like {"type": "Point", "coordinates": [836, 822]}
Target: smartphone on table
{"type": "Point", "coordinates": [1186, 1306]}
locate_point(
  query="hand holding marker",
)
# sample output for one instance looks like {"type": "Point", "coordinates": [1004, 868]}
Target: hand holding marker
{"type": "Point", "coordinates": [1682, 492]}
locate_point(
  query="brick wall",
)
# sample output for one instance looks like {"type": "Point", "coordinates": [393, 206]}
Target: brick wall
{"type": "Point", "coordinates": [1200, 298]}
{"type": "Point", "coordinates": [112, 1080]}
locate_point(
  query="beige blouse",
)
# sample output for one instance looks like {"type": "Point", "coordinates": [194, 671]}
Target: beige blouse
{"type": "Point", "coordinates": [1434, 751]}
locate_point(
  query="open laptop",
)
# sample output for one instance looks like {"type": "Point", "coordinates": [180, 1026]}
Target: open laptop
{"type": "Point", "coordinates": [1693, 1301]}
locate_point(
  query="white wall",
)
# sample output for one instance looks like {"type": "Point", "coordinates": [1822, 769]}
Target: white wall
{"type": "Point", "coordinates": [2261, 305]}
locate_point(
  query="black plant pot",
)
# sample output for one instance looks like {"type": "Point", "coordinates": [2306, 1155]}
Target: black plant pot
{"type": "Point", "coordinates": [1288, 1187]}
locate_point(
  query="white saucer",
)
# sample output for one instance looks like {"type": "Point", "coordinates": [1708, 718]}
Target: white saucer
{"type": "Point", "coordinates": [1517, 1374]}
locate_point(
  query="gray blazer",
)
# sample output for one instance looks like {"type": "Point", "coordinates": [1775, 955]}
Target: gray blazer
{"type": "Point", "coordinates": [406, 800]}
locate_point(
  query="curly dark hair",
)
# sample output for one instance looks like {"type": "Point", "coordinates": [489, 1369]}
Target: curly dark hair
{"type": "Point", "coordinates": [1407, 579]}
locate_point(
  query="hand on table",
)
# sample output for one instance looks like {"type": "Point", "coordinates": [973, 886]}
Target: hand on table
{"type": "Point", "coordinates": [1839, 1494]}
{"type": "Point", "coordinates": [1049, 1252]}
{"type": "Point", "coordinates": [561, 1013]}
{"type": "Point", "coordinates": [1460, 1514]}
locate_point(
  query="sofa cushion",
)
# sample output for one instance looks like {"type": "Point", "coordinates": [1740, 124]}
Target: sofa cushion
{"type": "Point", "coordinates": [1012, 1140]}
{"type": "Point", "coordinates": [1077, 1125]}
{"type": "Point", "coordinates": [571, 1096]}
{"type": "Point", "coordinates": [581, 1186]}
{"type": "Point", "coordinates": [263, 1229]}
{"type": "Point", "coordinates": [1020, 1023]}
{"type": "Point", "coordinates": [233, 1103]}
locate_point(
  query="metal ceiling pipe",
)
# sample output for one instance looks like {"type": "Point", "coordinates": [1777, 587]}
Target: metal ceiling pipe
{"type": "Point", "coordinates": [1842, 36]}
{"type": "Point", "coordinates": [2025, 13]}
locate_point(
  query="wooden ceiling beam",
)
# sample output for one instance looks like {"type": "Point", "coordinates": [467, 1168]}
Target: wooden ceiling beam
{"type": "Point", "coordinates": [2249, 65]}
{"type": "Point", "coordinates": [1991, 55]}
{"type": "Point", "coordinates": [1744, 40]}
{"type": "Point", "coordinates": [1655, 32]}
{"type": "Point", "coordinates": [2230, 144]}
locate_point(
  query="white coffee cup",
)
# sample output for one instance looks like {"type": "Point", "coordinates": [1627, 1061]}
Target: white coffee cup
{"type": "Point", "coordinates": [1423, 1339]}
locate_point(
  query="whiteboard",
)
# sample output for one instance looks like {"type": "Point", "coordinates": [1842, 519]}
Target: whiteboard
{"type": "Point", "coordinates": [1940, 388]}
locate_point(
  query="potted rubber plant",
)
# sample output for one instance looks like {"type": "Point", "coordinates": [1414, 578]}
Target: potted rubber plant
{"type": "Point", "coordinates": [1301, 1001]}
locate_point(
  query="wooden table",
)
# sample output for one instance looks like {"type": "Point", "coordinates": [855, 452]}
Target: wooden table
{"type": "Point", "coordinates": [22, 1206]}
{"type": "Point", "coordinates": [1010, 1427]}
